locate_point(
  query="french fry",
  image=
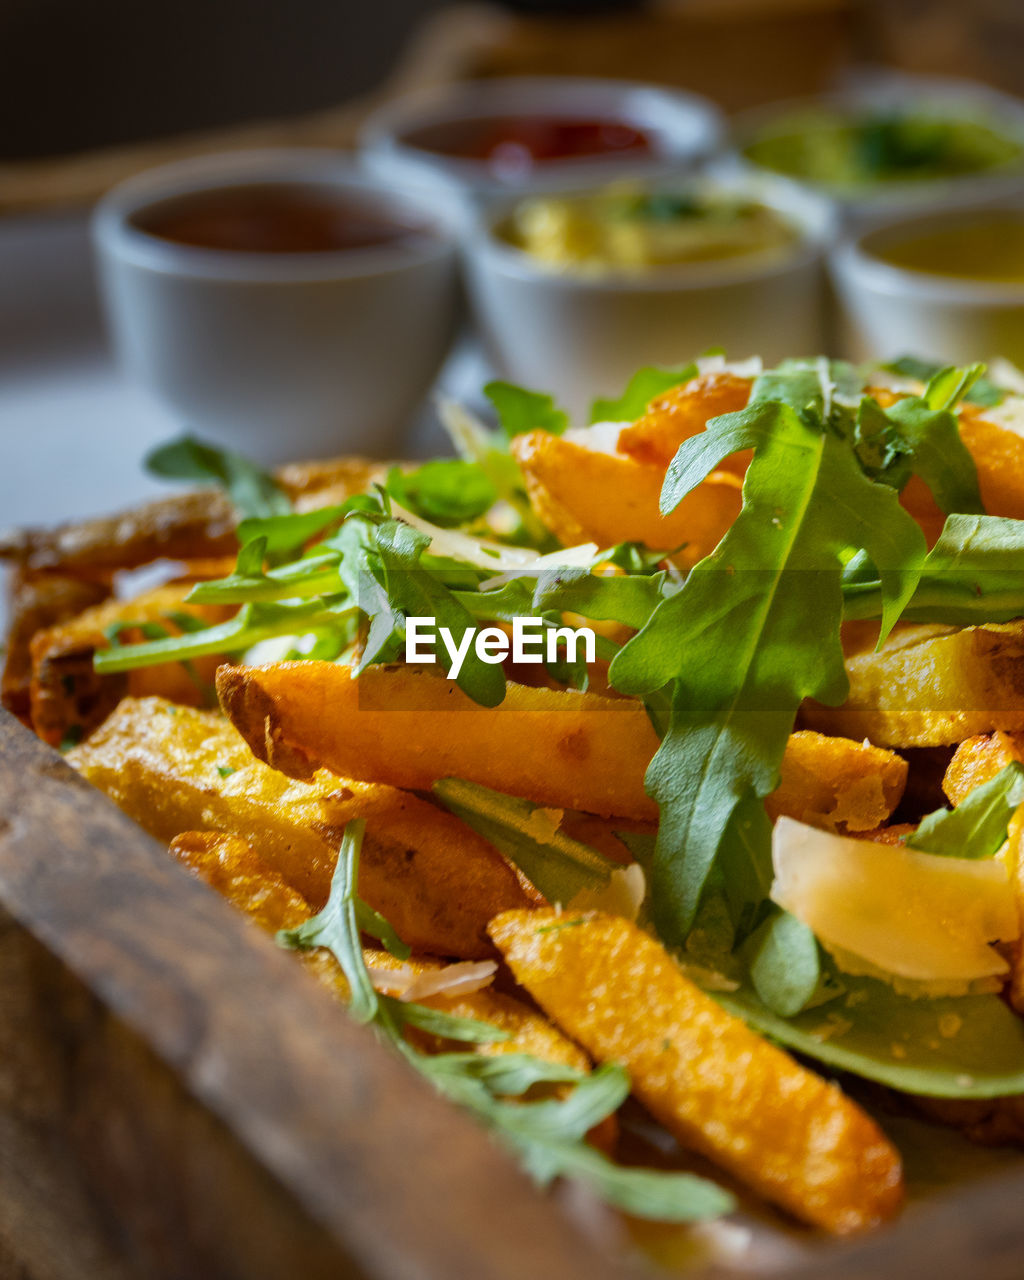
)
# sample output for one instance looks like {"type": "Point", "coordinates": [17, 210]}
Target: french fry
{"type": "Point", "coordinates": [583, 495]}
{"type": "Point", "coordinates": [235, 870]}
{"type": "Point", "coordinates": [713, 1083]}
{"type": "Point", "coordinates": [174, 769]}
{"type": "Point", "coordinates": [978, 760]}
{"type": "Point", "coordinates": [837, 783]}
{"type": "Point", "coordinates": [931, 686]}
{"type": "Point", "coordinates": [975, 762]}
{"type": "Point", "coordinates": [67, 696]}
{"type": "Point", "coordinates": [194, 525]}
{"type": "Point", "coordinates": [399, 724]}
{"type": "Point", "coordinates": [38, 601]}
{"type": "Point", "coordinates": [184, 527]}
{"type": "Point", "coordinates": [681, 413]}
{"type": "Point", "coordinates": [409, 727]}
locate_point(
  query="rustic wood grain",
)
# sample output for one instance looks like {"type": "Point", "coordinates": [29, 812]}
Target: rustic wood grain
{"type": "Point", "coordinates": [202, 1108]}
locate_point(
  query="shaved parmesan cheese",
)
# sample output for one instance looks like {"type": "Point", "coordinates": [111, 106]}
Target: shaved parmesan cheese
{"type": "Point", "coordinates": [894, 913]}
{"type": "Point", "coordinates": [450, 980]}
{"type": "Point", "coordinates": [599, 437]}
{"type": "Point", "coordinates": [623, 895]}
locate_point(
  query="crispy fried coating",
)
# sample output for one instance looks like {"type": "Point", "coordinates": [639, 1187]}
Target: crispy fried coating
{"type": "Point", "coordinates": [183, 527]}
{"type": "Point", "coordinates": [837, 783]}
{"type": "Point", "coordinates": [199, 524]}
{"type": "Point", "coordinates": [409, 727]}
{"type": "Point", "coordinates": [978, 760]}
{"type": "Point", "coordinates": [716, 1085]}
{"type": "Point", "coordinates": [583, 495]}
{"type": "Point", "coordinates": [68, 697]}
{"type": "Point", "coordinates": [235, 870]}
{"type": "Point", "coordinates": [680, 413]}
{"type": "Point", "coordinates": [38, 601]}
{"type": "Point", "coordinates": [174, 769]}
{"type": "Point", "coordinates": [931, 686]}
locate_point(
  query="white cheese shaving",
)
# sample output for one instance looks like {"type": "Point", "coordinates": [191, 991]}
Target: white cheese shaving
{"type": "Point", "coordinates": [450, 980]}
{"type": "Point", "coordinates": [891, 912]}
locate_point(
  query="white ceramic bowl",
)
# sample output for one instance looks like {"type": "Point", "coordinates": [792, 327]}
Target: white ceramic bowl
{"type": "Point", "coordinates": [280, 355]}
{"type": "Point", "coordinates": [882, 92]}
{"type": "Point", "coordinates": [578, 336]}
{"type": "Point", "coordinates": [887, 311]}
{"type": "Point", "coordinates": [688, 128]}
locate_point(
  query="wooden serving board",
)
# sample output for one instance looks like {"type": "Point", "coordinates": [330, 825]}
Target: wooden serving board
{"type": "Point", "coordinates": [179, 1100]}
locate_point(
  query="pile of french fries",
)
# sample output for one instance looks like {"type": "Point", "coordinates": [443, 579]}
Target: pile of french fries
{"type": "Point", "coordinates": [253, 794]}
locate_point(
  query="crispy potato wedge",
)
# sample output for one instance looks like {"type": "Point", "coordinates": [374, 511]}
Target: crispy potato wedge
{"type": "Point", "coordinates": [38, 601]}
{"type": "Point", "coordinates": [68, 698]}
{"type": "Point", "coordinates": [716, 1085]}
{"type": "Point", "coordinates": [931, 686]}
{"type": "Point", "coordinates": [409, 726]}
{"type": "Point", "coordinates": [184, 527]}
{"type": "Point", "coordinates": [174, 769]}
{"type": "Point", "coordinates": [187, 526]}
{"type": "Point", "coordinates": [397, 724]}
{"type": "Point", "coordinates": [837, 783]}
{"type": "Point", "coordinates": [978, 760]}
{"type": "Point", "coordinates": [583, 495]}
{"type": "Point", "coordinates": [235, 870]}
{"type": "Point", "coordinates": [680, 413]}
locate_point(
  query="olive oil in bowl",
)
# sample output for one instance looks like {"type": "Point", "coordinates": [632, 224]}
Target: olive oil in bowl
{"type": "Point", "coordinates": [988, 247]}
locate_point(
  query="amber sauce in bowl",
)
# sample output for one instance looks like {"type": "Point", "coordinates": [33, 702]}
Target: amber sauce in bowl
{"type": "Point", "coordinates": [277, 218]}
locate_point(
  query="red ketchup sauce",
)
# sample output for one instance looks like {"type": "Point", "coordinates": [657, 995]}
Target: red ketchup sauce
{"type": "Point", "coordinates": [276, 218]}
{"type": "Point", "coordinates": [512, 144]}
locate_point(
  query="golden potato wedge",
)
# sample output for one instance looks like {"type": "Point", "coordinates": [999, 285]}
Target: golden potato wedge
{"type": "Point", "coordinates": [38, 601]}
{"type": "Point", "coordinates": [978, 760]}
{"type": "Point", "coordinates": [183, 527]}
{"type": "Point", "coordinates": [235, 870]}
{"type": "Point", "coordinates": [680, 413]}
{"type": "Point", "coordinates": [174, 769]}
{"type": "Point", "coordinates": [715, 1084]}
{"type": "Point", "coordinates": [931, 686]}
{"type": "Point", "coordinates": [583, 495]}
{"type": "Point", "coordinates": [67, 697]}
{"type": "Point", "coordinates": [837, 783]}
{"type": "Point", "coordinates": [186, 526]}
{"type": "Point", "coordinates": [409, 726]}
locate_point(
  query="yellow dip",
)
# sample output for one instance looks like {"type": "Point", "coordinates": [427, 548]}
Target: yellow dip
{"type": "Point", "coordinates": [626, 230]}
{"type": "Point", "coordinates": [989, 247]}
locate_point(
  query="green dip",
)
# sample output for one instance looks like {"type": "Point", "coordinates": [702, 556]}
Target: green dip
{"type": "Point", "coordinates": [854, 151]}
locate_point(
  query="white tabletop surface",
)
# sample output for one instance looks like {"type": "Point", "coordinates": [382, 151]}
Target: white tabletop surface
{"type": "Point", "coordinates": [73, 429]}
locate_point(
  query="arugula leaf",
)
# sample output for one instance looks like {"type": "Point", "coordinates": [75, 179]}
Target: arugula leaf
{"type": "Point", "coordinates": [520, 410]}
{"type": "Point", "coordinates": [421, 594]}
{"type": "Point", "coordinates": [920, 435]}
{"type": "Point", "coordinates": [785, 964]}
{"type": "Point", "coordinates": [336, 926]}
{"type": "Point", "coordinates": [374, 925]}
{"type": "Point", "coordinates": [977, 827]}
{"type": "Point", "coordinates": [630, 600]}
{"type": "Point", "coordinates": [288, 534]}
{"type": "Point", "coordinates": [436, 1022]}
{"type": "Point", "coordinates": [252, 623]}
{"type": "Point", "coordinates": [982, 392]}
{"type": "Point", "coordinates": [445, 491]}
{"type": "Point", "coordinates": [559, 866]}
{"type": "Point", "coordinates": [251, 490]}
{"type": "Point", "coordinates": [641, 389]}
{"type": "Point", "coordinates": [943, 1047]}
{"type": "Point", "coordinates": [755, 630]}
{"type": "Point", "coordinates": [971, 576]}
